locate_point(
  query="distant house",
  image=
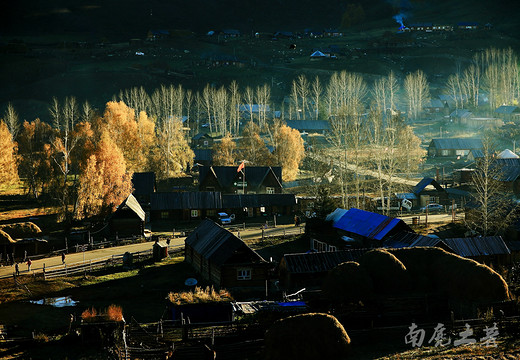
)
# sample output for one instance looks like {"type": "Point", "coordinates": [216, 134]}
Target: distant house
{"type": "Point", "coordinates": [460, 115]}
{"type": "Point", "coordinates": [464, 25]}
{"type": "Point", "coordinates": [310, 269]}
{"type": "Point", "coordinates": [332, 33]}
{"type": "Point", "coordinates": [369, 228]}
{"type": "Point", "coordinates": [508, 172]}
{"type": "Point", "coordinates": [452, 147]}
{"type": "Point", "coordinates": [436, 106]}
{"type": "Point", "coordinates": [185, 205]}
{"type": "Point", "coordinates": [508, 113]}
{"type": "Point", "coordinates": [309, 126]}
{"type": "Point", "coordinates": [427, 27]}
{"type": "Point", "coordinates": [220, 60]}
{"type": "Point", "coordinates": [247, 111]}
{"type": "Point", "coordinates": [223, 259]}
{"type": "Point", "coordinates": [251, 180]}
{"type": "Point", "coordinates": [429, 191]}
{"type": "Point", "coordinates": [202, 140]}
{"type": "Point", "coordinates": [318, 55]}
{"type": "Point", "coordinates": [487, 249]}
{"type": "Point", "coordinates": [128, 219]}
{"type": "Point", "coordinates": [144, 184]}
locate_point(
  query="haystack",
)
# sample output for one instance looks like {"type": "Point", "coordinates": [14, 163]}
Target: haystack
{"type": "Point", "coordinates": [388, 274]}
{"type": "Point", "coordinates": [22, 230]}
{"type": "Point", "coordinates": [307, 336]}
{"type": "Point", "coordinates": [457, 278]}
{"type": "Point", "coordinates": [348, 282]}
{"type": "Point", "coordinates": [5, 238]}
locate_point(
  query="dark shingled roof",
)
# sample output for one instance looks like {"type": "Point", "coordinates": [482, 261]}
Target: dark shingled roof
{"type": "Point", "coordinates": [424, 183]}
{"type": "Point", "coordinates": [316, 125]}
{"type": "Point", "coordinates": [457, 144]}
{"type": "Point", "coordinates": [254, 175]}
{"type": "Point", "coordinates": [217, 244]}
{"type": "Point", "coordinates": [143, 183]}
{"type": "Point", "coordinates": [505, 109]}
{"type": "Point", "coordinates": [186, 200]}
{"type": "Point", "coordinates": [478, 246]}
{"type": "Point", "coordinates": [406, 239]}
{"type": "Point", "coordinates": [306, 263]}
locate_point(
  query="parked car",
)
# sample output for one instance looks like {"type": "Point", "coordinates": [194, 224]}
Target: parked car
{"type": "Point", "coordinates": [225, 219]}
{"type": "Point", "coordinates": [433, 208]}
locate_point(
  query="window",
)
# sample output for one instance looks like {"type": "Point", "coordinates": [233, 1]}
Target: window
{"type": "Point", "coordinates": [206, 142]}
{"type": "Point", "coordinates": [269, 190]}
{"type": "Point", "coordinates": [194, 213]}
{"type": "Point", "coordinates": [332, 248]}
{"type": "Point", "coordinates": [262, 209]}
{"type": "Point", "coordinates": [445, 152]}
{"type": "Point", "coordinates": [211, 212]}
{"type": "Point", "coordinates": [164, 214]}
{"type": "Point", "coordinates": [244, 274]}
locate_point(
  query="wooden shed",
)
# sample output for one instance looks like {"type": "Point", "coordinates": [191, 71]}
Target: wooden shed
{"type": "Point", "coordinates": [128, 219]}
{"type": "Point", "coordinates": [224, 259]}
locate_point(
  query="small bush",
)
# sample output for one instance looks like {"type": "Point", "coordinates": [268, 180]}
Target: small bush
{"type": "Point", "coordinates": [89, 314]}
{"type": "Point", "coordinates": [115, 313]}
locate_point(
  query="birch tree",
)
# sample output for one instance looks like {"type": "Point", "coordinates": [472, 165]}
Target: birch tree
{"type": "Point", "coordinates": [418, 92]}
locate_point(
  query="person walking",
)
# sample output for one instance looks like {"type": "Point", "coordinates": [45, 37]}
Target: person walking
{"type": "Point", "coordinates": [63, 258]}
{"type": "Point", "coordinates": [29, 262]}
{"type": "Point", "coordinates": [16, 269]}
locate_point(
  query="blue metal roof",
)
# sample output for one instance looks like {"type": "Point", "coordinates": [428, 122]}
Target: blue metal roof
{"type": "Point", "coordinates": [367, 224]}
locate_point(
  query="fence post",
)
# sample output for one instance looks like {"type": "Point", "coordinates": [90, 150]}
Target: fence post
{"type": "Point", "coordinates": [90, 265]}
{"type": "Point", "coordinates": [44, 277]}
{"type": "Point", "coordinates": [65, 269]}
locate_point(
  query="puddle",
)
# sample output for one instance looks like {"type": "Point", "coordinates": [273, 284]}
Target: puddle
{"type": "Point", "coordinates": [56, 301]}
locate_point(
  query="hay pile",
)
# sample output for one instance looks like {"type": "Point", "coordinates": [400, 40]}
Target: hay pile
{"type": "Point", "coordinates": [22, 230]}
{"type": "Point", "coordinates": [388, 274]}
{"type": "Point", "coordinates": [452, 275]}
{"type": "Point", "coordinates": [348, 282]}
{"type": "Point", "coordinates": [5, 238]}
{"type": "Point", "coordinates": [307, 336]}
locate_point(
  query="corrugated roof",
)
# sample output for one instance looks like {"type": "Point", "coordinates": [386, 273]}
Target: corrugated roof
{"type": "Point", "coordinates": [186, 200]}
{"type": "Point", "coordinates": [405, 239]}
{"type": "Point", "coordinates": [143, 183]}
{"type": "Point", "coordinates": [461, 113]}
{"type": "Point", "coordinates": [478, 246]}
{"type": "Point", "coordinates": [336, 215]}
{"type": "Point", "coordinates": [256, 200]}
{"type": "Point", "coordinates": [132, 204]}
{"type": "Point", "coordinates": [367, 224]}
{"type": "Point", "coordinates": [218, 245]}
{"type": "Point", "coordinates": [457, 143]}
{"type": "Point", "coordinates": [308, 263]}
{"type": "Point", "coordinates": [509, 169]}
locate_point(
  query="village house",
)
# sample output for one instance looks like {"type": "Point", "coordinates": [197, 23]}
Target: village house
{"type": "Point", "coordinates": [223, 259]}
{"type": "Point", "coordinates": [250, 180]}
{"type": "Point", "coordinates": [202, 140]}
{"type": "Point", "coordinates": [459, 116]}
{"type": "Point", "coordinates": [185, 205]}
{"type": "Point", "coordinates": [128, 219]}
{"type": "Point", "coordinates": [453, 147]}
{"type": "Point", "coordinates": [436, 106]}
{"type": "Point", "coordinates": [508, 113]}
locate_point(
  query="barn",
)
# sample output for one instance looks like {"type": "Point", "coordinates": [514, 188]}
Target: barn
{"type": "Point", "coordinates": [224, 259]}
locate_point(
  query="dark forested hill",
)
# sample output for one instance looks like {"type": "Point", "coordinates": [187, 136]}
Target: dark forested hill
{"type": "Point", "coordinates": [116, 19]}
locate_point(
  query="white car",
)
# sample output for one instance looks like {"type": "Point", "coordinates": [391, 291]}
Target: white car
{"type": "Point", "coordinates": [225, 219]}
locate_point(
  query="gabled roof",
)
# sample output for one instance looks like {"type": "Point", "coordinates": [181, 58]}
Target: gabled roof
{"type": "Point", "coordinates": [368, 224]}
{"type": "Point", "coordinates": [217, 244]}
{"type": "Point", "coordinates": [186, 200]}
{"type": "Point", "coordinates": [406, 239]}
{"type": "Point", "coordinates": [336, 215]}
{"type": "Point", "coordinates": [504, 109]}
{"type": "Point", "coordinates": [318, 125]}
{"type": "Point", "coordinates": [478, 246]}
{"type": "Point", "coordinates": [254, 175]}
{"type": "Point", "coordinates": [508, 169]}
{"type": "Point", "coordinates": [143, 183]}
{"type": "Point", "coordinates": [435, 103]}
{"type": "Point", "coordinates": [507, 154]}
{"type": "Point", "coordinates": [202, 136]}
{"type": "Point", "coordinates": [424, 183]}
{"type": "Point", "coordinates": [457, 143]}
{"type": "Point", "coordinates": [232, 201]}
{"type": "Point", "coordinates": [131, 203]}
{"type": "Point", "coordinates": [316, 262]}
{"type": "Point", "coordinates": [318, 54]}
